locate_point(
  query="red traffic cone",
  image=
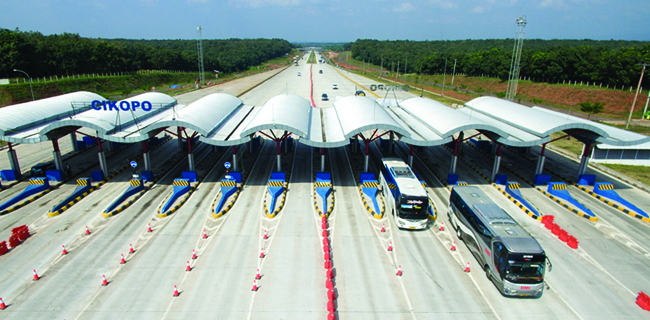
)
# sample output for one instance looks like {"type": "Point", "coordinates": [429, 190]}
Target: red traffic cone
{"type": "Point", "coordinates": [189, 268]}
{"type": "Point", "coordinates": [266, 236]}
{"type": "Point", "coordinates": [331, 316]}
{"type": "Point", "coordinates": [175, 292]}
{"type": "Point", "coordinates": [122, 261]}
{"type": "Point", "coordinates": [2, 304]}
{"type": "Point", "coordinates": [330, 274]}
{"type": "Point", "coordinates": [64, 252]}
{"type": "Point", "coordinates": [467, 268]}
{"type": "Point", "coordinates": [131, 248]}
{"type": "Point", "coordinates": [149, 227]}
{"type": "Point", "coordinates": [257, 275]}
{"type": "Point", "coordinates": [383, 227]}
{"type": "Point", "coordinates": [193, 254]}
{"type": "Point", "coordinates": [329, 284]}
{"type": "Point", "coordinates": [261, 252]}
{"type": "Point", "coordinates": [442, 226]}
{"type": "Point", "coordinates": [453, 246]}
{"type": "Point", "coordinates": [35, 276]}
{"type": "Point", "coordinates": [255, 287]}
{"type": "Point", "coordinates": [331, 295]}
{"type": "Point", "coordinates": [390, 246]}
{"type": "Point", "coordinates": [205, 235]}
{"type": "Point", "coordinates": [399, 270]}
{"type": "Point", "coordinates": [87, 230]}
{"type": "Point", "coordinates": [104, 281]}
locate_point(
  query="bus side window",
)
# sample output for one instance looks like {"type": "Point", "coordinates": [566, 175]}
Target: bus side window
{"type": "Point", "coordinates": [498, 252]}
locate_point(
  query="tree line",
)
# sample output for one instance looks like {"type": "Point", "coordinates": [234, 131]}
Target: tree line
{"type": "Point", "coordinates": [66, 54]}
{"type": "Point", "coordinates": [614, 62]}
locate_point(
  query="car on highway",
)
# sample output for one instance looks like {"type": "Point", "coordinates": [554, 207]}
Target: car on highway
{"type": "Point", "coordinates": [40, 169]}
{"type": "Point", "coordinates": [320, 71]}
{"type": "Point", "coordinates": [299, 74]}
{"type": "Point", "coordinates": [335, 87]}
{"type": "Point", "coordinates": [360, 93]}
{"type": "Point", "coordinates": [324, 97]}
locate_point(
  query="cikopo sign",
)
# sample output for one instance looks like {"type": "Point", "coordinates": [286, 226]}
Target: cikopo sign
{"type": "Point", "coordinates": [108, 105]}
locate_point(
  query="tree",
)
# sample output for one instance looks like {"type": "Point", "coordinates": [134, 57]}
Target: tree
{"type": "Point", "coordinates": [591, 108]}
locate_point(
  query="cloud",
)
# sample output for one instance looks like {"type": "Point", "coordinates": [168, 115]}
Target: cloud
{"type": "Point", "coordinates": [551, 3]}
{"type": "Point", "coordinates": [446, 4]}
{"type": "Point", "coordinates": [405, 7]}
{"type": "Point", "coordinates": [478, 9]}
{"type": "Point", "coordinates": [264, 3]}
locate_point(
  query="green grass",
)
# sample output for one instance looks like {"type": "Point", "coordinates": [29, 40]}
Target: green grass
{"type": "Point", "coordinates": [312, 58]}
{"type": "Point", "coordinates": [638, 173]}
{"type": "Point", "coordinates": [571, 145]}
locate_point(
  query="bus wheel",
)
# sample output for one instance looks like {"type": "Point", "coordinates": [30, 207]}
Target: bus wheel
{"type": "Point", "coordinates": [487, 272]}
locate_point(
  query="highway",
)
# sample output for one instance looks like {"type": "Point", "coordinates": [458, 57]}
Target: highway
{"type": "Point", "coordinates": [599, 280]}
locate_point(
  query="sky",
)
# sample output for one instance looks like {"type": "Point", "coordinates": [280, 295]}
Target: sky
{"type": "Point", "coordinates": [331, 20]}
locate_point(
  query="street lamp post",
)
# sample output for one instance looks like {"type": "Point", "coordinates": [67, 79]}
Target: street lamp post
{"type": "Point", "coordinates": [30, 82]}
{"type": "Point", "coordinates": [627, 124]}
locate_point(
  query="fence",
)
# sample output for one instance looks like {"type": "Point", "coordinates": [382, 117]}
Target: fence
{"type": "Point", "coordinates": [92, 75]}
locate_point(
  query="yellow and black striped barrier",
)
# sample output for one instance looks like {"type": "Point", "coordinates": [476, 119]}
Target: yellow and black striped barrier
{"type": "Point", "coordinates": [82, 182]}
{"type": "Point", "coordinates": [558, 186]}
{"type": "Point", "coordinates": [135, 182]}
{"type": "Point", "coordinates": [391, 186]}
{"type": "Point", "coordinates": [606, 186]}
{"type": "Point", "coordinates": [275, 183]}
{"type": "Point", "coordinates": [181, 183]}
{"type": "Point", "coordinates": [228, 183]}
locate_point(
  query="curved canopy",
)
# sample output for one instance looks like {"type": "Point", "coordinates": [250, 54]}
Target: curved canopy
{"type": "Point", "coordinates": [287, 112]}
{"type": "Point", "coordinates": [357, 114]}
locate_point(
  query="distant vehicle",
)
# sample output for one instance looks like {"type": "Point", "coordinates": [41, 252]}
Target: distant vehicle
{"type": "Point", "coordinates": [512, 259]}
{"type": "Point", "coordinates": [324, 97]}
{"type": "Point", "coordinates": [335, 87]}
{"type": "Point", "coordinates": [295, 63]}
{"type": "Point", "coordinates": [299, 74]}
{"type": "Point", "coordinates": [320, 71]}
{"type": "Point", "coordinates": [405, 195]}
{"type": "Point", "coordinates": [360, 93]}
{"type": "Point", "coordinates": [39, 169]}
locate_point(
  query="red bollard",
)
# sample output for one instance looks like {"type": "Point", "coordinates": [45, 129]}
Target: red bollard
{"type": "Point", "coordinates": [326, 242]}
{"type": "Point", "coordinates": [556, 229]}
{"type": "Point", "coordinates": [325, 234]}
{"type": "Point", "coordinates": [3, 247]}
{"type": "Point", "coordinates": [572, 242]}
{"type": "Point", "coordinates": [643, 301]}
{"type": "Point", "coordinates": [564, 235]}
{"type": "Point", "coordinates": [326, 248]}
{"type": "Point", "coordinates": [327, 256]}
{"type": "Point", "coordinates": [14, 241]}
{"type": "Point", "coordinates": [327, 264]}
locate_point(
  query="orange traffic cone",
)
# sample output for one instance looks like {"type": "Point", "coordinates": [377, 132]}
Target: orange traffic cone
{"type": "Point", "coordinates": [453, 246]}
{"type": "Point", "coordinates": [399, 270]}
{"type": "Point", "coordinates": [205, 235]}
{"type": "Point", "coordinates": [266, 236]}
{"type": "Point", "coordinates": [35, 276]}
{"type": "Point", "coordinates": [257, 275]}
{"type": "Point", "coordinates": [131, 248]}
{"type": "Point", "coordinates": [442, 226]}
{"type": "Point", "coordinates": [193, 254]}
{"type": "Point", "coordinates": [64, 252]}
{"type": "Point", "coordinates": [2, 304]}
{"type": "Point", "coordinates": [175, 292]}
{"type": "Point", "coordinates": [189, 268]}
{"type": "Point", "coordinates": [255, 287]}
{"type": "Point", "coordinates": [467, 268]}
{"type": "Point", "coordinates": [262, 253]}
{"type": "Point", "coordinates": [383, 227]}
{"type": "Point", "coordinates": [104, 281]}
{"type": "Point", "coordinates": [149, 227]}
{"type": "Point", "coordinates": [87, 231]}
{"type": "Point", "coordinates": [122, 260]}
{"type": "Point", "coordinates": [390, 246]}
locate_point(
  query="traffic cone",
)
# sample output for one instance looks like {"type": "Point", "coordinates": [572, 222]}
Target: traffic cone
{"type": "Point", "coordinates": [104, 281]}
{"type": "Point", "coordinates": [122, 261]}
{"type": "Point", "coordinates": [193, 254]}
{"type": "Point", "coordinates": [257, 275]}
{"type": "Point", "coordinates": [205, 235]}
{"type": "Point", "coordinates": [442, 226]}
{"type": "Point", "coordinates": [399, 270]}
{"type": "Point", "coordinates": [254, 285]}
{"type": "Point", "coordinates": [467, 268]}
{"type": "Point", "coordinates": [2, 304]}
{"type": "Point", "coordinates": [331, 295]}
{"type": "Point", "coordinates": [189, 268]}
{"type": "Point", "coordinates": [261, 252]}
{"type": "Point", "coordinates": [64, 252]}
{"type": "Point", "coordinates": [453, 246]}
{"type": "Point", "coordinates": [36, 276]}
{"type": "Point", "coordinates": [87, 231]}
{"type": "Point", "coordinates": [390, 246]}
{"type": "Point", "coordinates": [266, 236]}
{"type": "Point", "coordinates": [131, 248]}
{"type": "Point", "coordinates": [149, 227]}
{"type": "Point", "coordinates": [383, 227]}
{"type": "Point", "coordinates": [175, 292]}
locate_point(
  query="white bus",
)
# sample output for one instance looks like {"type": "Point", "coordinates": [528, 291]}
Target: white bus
{"type": "Point", "coordinates": [512, 259]}
{"type": "Point", "coordinates": [405, 195]}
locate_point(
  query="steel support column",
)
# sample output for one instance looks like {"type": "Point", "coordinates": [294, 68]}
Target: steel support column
{"type": "Point", "coordinates": [190, 155]}
{"type": "Point", "coordinates": [454, 158]}
{"type": "Point", "coordinates": [279, 166]}
{"type": "Point", "coordinates": [322, 159]}
{"type": "Point", "coordinates": [179, 136]}
{"type": "Point", "coordinates": [411, 156]}
{"type": "Point", "coordinates": [497, 162]}
{"type": "Point", "coordinates": [102, 158]}
{"type": "Point", "coordinates": [366, 156]}
{"type": "Point", "coordinates": [584, 161]}
{"type": "Point", "coordinates": [234, 158]}
{"type": "Point", "coordinates": [73, 140]}
{"type": "Point", "coordinates": [390, 144]}
{"type": "Point", "coordinates": [13, 161]}
{"type": "Point", "coordinates": [56, 154]}
{"type": "Point", "coordinates": [145, 156]}
{"type": "Point", "coordinates": [540, 161]}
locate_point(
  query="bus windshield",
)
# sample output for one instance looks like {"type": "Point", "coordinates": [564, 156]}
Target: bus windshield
{"type": "Point", "coordinates": [413, 208]}
{"type": "Point", "coordinates": [523, 268]}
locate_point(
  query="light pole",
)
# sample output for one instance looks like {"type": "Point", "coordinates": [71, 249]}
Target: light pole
{"type": "Point", "coordinates": [627, 124]}
{"type": "Point", "coordinates": [30, 82]}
